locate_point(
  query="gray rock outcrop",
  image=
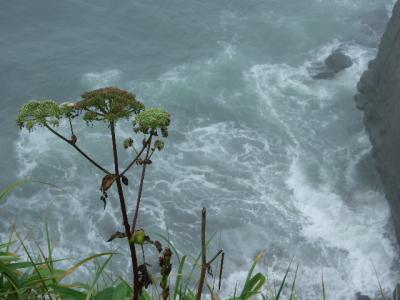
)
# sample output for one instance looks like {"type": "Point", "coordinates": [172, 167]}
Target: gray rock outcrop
{"type": "Point", "coordinates": [379, 99]}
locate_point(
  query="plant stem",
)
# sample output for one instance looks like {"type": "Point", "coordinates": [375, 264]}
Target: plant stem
{"type": "Point", "coordinates": [220, 270]}
{"type": "Point", "coordinates": [215, 257]}
{"type": "Point", "coordinates": [77, 149]}
{"type": "Point", "coordinates": [137, 157]}
{"type": "Point", "coordinates": [139, 197]}
{"type": "Point", "coordinates": [125, 217]}
{"type": "Point", "coordinates": [70, 126]}
{"type": "Point", "coordinates": [204, 264]}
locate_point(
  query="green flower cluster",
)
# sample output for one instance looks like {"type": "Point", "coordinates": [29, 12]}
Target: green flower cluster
{"type": "Point", "coordinates": [39, 113]}
{"type": "Point", "coordinates": [159, 145]}
{"type": "Point", "coordinates": [108, 104]}
{"type": "Point", "coordinates": [105, 104]}
{"type": "Point", "coordinates": [152, 119]}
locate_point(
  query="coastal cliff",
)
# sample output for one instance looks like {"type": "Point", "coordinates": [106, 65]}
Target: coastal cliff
{"type": "Point", "coordinates": [379, 99]}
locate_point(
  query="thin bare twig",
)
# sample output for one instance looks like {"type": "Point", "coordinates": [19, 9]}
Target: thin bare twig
{"type": "Point", "coordinates": [77, 149]}
{"type": "Point", "coordinates": [136, 158]}
{"type": "Point", "coordinates": [215, 257]}
{"type": "Point", "coordinates": [70, 126]}
{"type": "Point", "coordinates": [220, 270]}
{"type": "Point", "coordinates": [204, 265]}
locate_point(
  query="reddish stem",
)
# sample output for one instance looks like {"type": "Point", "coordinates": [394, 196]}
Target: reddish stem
{"type": "Point", "coordinates": [125, 217]}
{"type": "Point", "coordinates": [139, 197]}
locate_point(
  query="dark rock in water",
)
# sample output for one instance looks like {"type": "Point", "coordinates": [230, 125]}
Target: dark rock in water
{"type": "Point", "coordinates": [360, 296]}
{"type": "Point", "coordinates": [334, 63]}
{"type": "Point", "coordinates": [338, 61]}
{"type": "Point", "coordinates": [379, 98]}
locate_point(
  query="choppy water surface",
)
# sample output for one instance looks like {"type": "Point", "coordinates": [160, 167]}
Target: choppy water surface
{"type": "Point", "coordinates": [281, 161]}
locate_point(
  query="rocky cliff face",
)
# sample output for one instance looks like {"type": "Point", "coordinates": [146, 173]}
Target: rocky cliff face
{"type": "Point", "coordinates": [379, 99]}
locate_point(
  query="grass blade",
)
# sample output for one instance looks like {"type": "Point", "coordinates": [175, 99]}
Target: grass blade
{"type": "Point", "coordinates": [35, 267]}
{"type": "Point", "coordinates": [292, 292]}
{"type": "Point", "coordinates": [283, 281]}
{"type": "Point", "coordinates": [8, 189]}
{"type": "Point", "coordinates": [83, 261]}
{"type": "Point", "coordinates": [96, 278]}
{"type": "Point", "coordinates": [379, 283]}
{"type": "Point", "coordinates": [323, 287]}
{"type": "Point", "coordinates": [179, 276]}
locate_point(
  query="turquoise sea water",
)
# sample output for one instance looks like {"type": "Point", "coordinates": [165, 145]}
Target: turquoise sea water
{"type": "Point", "coordinates": [281, 161]}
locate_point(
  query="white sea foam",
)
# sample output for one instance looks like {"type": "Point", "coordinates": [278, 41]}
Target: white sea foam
{"type": "Point", "coordinates": [358, 233]}
{"type": "Point", "coordinates": [94, 80]}
{"type": "Point", "coordinates": [349, 228]}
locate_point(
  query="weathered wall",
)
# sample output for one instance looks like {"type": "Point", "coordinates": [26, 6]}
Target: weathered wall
{"type": "Point", "coordinates": [379, 99]}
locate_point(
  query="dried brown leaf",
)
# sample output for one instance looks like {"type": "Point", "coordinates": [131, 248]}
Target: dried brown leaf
{"type": "Point", "coordinates": [107, 182]}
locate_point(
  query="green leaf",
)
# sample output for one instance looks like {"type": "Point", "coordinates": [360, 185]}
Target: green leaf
{"type": "Point", "coordinates": [250, 273]}
{"type": "Point", "coordinates": [121, 291]}
{"type": "Point", "coordinates": [145, 296]}
{"type": "Point", "coordinates": [253, 286]}
{"type": "Point", "coordinates": [6, 257]}
{"type": "Point", "coordinates": [106, 294]}
{"type": "Point", "coordinates": [67, 293]}
{"type": "Point", "coordinates": [9, 273]}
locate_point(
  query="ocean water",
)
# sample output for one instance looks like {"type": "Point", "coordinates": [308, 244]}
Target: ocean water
{"type": "Point", "coordinates": [281, 161]}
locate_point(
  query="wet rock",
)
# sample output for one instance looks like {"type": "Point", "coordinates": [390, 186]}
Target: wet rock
{"type": "Point", "coordinates": [338, 61]}
{"type": "Point", "coordinates": [334, 63]}
{"type": "Point", "coordinates": [371, 64]}
{"type": "Point", "coordinates": [367, 82]}
{"type": "Point", "coordinates": [378, 97]}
